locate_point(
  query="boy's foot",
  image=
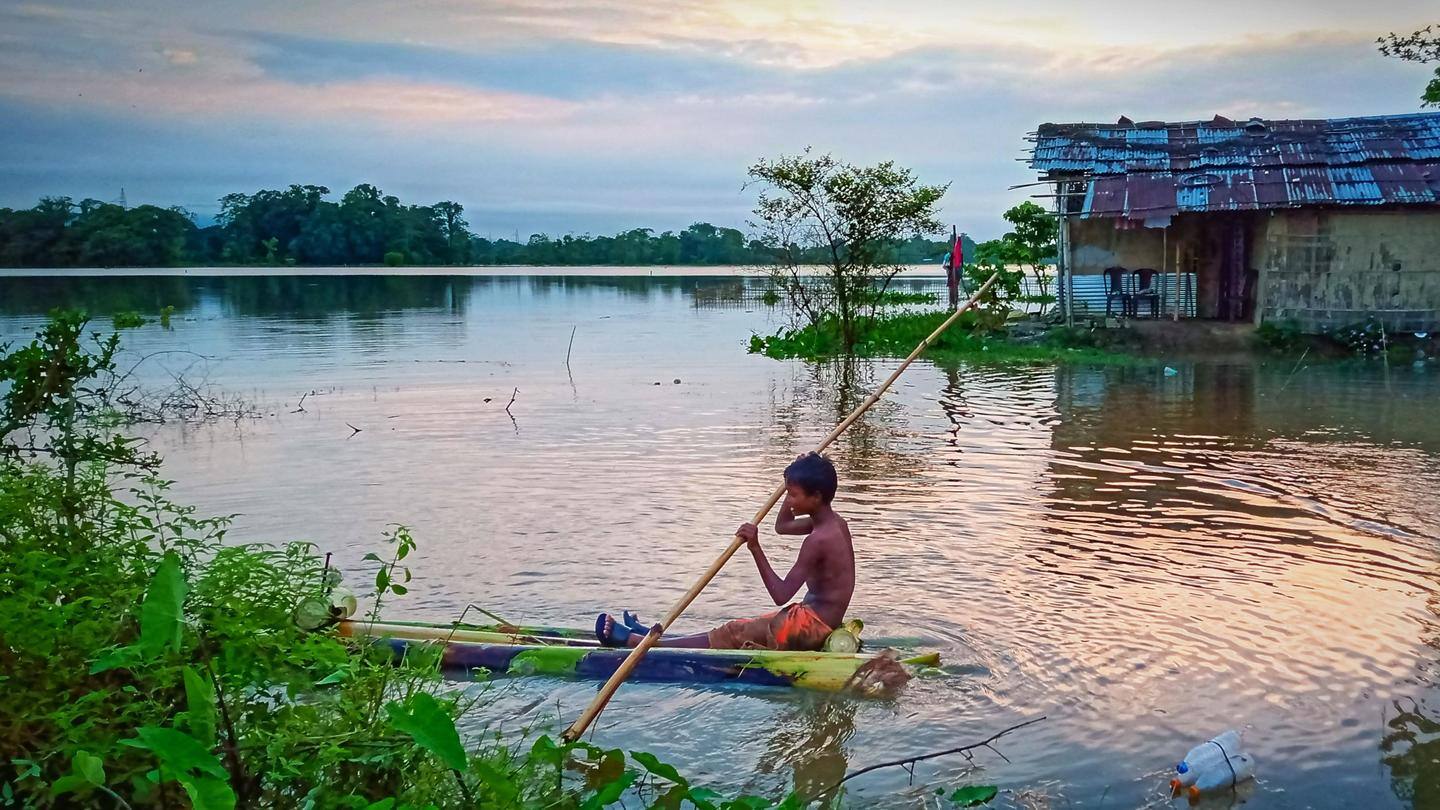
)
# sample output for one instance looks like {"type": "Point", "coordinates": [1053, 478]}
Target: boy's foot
{"type": "Point", "coordinates": [610, 632]}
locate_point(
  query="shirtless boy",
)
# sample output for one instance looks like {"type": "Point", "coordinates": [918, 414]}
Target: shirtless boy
{"type": "Point", "coordinates": [826, 566]}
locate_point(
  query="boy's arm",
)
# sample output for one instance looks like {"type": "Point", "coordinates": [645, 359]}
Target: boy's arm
{"type": "Point", "coordinates": [787, 523]}
{"type": "Point", "coordinates": [783, 588]}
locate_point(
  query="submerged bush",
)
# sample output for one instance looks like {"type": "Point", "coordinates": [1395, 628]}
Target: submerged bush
{"type": "Point", "coordinates": [896, 335]}
{"type": "Point", "coordinates": [1365, 337]}
{"type": "Point", "coordinates": [890, 298]}
{"type": "Point", "coordinates": [1280, 336]}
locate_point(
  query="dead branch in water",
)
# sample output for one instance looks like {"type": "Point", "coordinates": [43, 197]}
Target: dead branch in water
{"type": "Point", "coordinates": [908, 763]}
{"type": "Point", "coordinates": [1294, 370]}
{"type": "Point", "coordinates": [514, 423]}
{"type": "Point", "coordinates": [189, 398]}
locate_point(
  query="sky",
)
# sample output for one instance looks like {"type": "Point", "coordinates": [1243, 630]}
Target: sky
{"type": "Point", "coordinates": [594, 116]}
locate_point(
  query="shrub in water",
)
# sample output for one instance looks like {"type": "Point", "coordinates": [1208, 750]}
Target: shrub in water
{"type": "Point", "coordinates": [1282, 336]}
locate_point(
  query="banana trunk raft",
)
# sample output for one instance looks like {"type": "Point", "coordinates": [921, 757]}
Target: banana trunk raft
{"type": "Point", "coordinates": [569, 652]}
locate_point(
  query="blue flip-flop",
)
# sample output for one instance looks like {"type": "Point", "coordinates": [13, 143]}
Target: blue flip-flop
{"type": "Point", "coordinates": [633, 622]}
{"type": "Point", "coordinates": [619, 632]}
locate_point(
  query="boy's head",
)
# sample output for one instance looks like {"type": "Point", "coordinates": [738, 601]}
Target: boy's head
{"type": "Point", "coordinates": [810, 481]}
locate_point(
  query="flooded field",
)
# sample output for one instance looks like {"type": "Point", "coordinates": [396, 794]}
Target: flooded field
{"type": "Point", "coordinates": [1145, 559]}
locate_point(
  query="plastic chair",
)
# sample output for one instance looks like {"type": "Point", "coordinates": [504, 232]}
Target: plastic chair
{"type": "Point", "coordinates": [1115, 290]}
{"type": "Point", "coordinates": [1144, 290]}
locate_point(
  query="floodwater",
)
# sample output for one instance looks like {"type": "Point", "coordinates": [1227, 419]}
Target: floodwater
{"type": "Point", "coordinates": [1145, 559]}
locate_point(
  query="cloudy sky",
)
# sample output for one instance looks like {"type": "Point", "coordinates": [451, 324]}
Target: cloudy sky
{"type": "Point", "coordinates": [597, 115]}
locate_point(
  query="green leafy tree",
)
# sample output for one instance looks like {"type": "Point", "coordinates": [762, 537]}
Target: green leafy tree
{"type": "Point", "coordinates": [322, 239]}
{"type": "Point", "coordinates": [852, 216]}
{"type": "Point", "coordinates": [1421, 46]}
{"type": "Point", "coordinates": [994, 257]}
{"type": "Point", "coordinates": [108, 235]}
{"type": "Point", "coordinates": [455, 231]}
{"type": "Point", "coordinates": [366, 220]}
{"type": "Point", "coordinates": [36, 237]}
{"type": "Point", "coordinates": [1031, 244]}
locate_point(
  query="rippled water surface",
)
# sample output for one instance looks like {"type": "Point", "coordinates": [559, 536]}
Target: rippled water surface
{"type": "Point", "coordinates": [1145, 559]}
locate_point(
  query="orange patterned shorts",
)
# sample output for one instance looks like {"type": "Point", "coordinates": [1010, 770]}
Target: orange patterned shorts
{"type": "Point", "coordinates": [793, 627]}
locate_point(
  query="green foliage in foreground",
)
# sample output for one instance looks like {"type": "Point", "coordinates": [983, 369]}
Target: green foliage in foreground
{"type": "Point", "coordinates": [897, 334]}
{"type": "Point", "coordinates": [147, 661]}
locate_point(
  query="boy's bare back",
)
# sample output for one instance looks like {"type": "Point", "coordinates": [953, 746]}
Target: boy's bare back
{"type": "Point", "coordinates": [831, 580]}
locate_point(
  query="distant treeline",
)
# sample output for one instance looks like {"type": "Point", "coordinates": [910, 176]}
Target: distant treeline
{"type": "Point", "coordinates": [299, 226]}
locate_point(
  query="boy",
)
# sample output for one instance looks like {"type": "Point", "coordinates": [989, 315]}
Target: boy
{"type": "Point", "coordinates": [826, 565]}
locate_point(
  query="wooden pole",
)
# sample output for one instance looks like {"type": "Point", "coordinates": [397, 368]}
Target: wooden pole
{"type": "Point", "coordinates": [656, 631]}
{"type": "Point", "coordinates": [1164, 262]}
{"type": "Point", "coordinates": [1069, 272]}
{"type": "Point", "coordinates": [1179, 280]}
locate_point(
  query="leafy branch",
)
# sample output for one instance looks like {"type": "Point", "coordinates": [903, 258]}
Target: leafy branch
{"type": "Point", "coordinates": [1423, 47]}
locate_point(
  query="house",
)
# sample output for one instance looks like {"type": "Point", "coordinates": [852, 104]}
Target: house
{"type": "Point", "coordinates": [1323, 222]}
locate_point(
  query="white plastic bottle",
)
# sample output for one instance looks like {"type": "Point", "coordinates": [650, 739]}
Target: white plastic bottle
{"type": "Point", "coordinates": [1211, 752]}
{"type": "Point", "coordinates": [1219, 776]}
{"type": "Point", "coordinates": [342, 602]}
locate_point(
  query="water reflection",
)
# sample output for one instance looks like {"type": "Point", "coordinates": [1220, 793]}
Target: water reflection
{"type": "Point", "coordinates": [1410, 748]}
{"type": "Point", "coordinates": [1410, 739]}
{"type": "Point", "coordinates": [808, 743]}
{"type": "Point", "coordinates": [311, 295]}
{"type": "Point", "coordinates": [97, 294]}
{"type": "Point", "coordinates": [822, 394]}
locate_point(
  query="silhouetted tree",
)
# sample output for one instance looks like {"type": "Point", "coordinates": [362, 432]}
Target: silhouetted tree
{"type": "Point", "coordinates": [1422, 46]}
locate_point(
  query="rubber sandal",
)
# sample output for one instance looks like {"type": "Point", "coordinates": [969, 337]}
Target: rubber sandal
{"type": "Point", "coordinates": [619, 632]}
{"type": "Point", "coordinates": [633, 622]}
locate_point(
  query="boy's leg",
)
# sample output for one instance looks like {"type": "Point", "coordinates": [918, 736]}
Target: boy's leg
{"type": "Point", "coordinates": [740, 634]}
{"type": "Point", "coordinates": [698, 641]}
{"type": "Point", "coordinates": [694, 641]}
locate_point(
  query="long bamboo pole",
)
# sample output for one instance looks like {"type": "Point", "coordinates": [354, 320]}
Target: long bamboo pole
{"type": "Point", "coordinates": [657, 630]}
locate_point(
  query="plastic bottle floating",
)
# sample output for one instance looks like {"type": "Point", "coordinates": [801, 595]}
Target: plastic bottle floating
{"type": "Point", "coordinates": [1212, 751]}
{"type": "Point", "coordinates": [1216, 764]}
{"type": "Point", "coordinates": [1232, 772]}
{"type": "Point", "coordinates": [335, 602]}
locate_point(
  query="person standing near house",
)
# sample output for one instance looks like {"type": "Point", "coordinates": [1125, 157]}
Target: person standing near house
{"type": "Point", "coordinates": [954, 266]}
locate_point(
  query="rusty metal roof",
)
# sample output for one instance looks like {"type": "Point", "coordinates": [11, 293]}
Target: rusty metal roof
{"type": "Point", "coordinates": [1155, 169]}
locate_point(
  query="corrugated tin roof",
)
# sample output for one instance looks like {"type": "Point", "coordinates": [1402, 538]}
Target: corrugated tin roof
{"type": "Point", "coordinates": [1143, 195]}
{"type": "Point", "coordinates": [1154, 169]}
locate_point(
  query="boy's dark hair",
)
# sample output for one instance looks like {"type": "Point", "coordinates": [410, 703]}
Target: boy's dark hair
{"type": "Point", "coordinates": [813, 473]}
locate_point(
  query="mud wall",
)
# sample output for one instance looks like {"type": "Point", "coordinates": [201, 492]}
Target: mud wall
{"type": "Point", "coordinates": [1097, 244]}
{"type": "Point", "coordinates": [1328, 268]}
